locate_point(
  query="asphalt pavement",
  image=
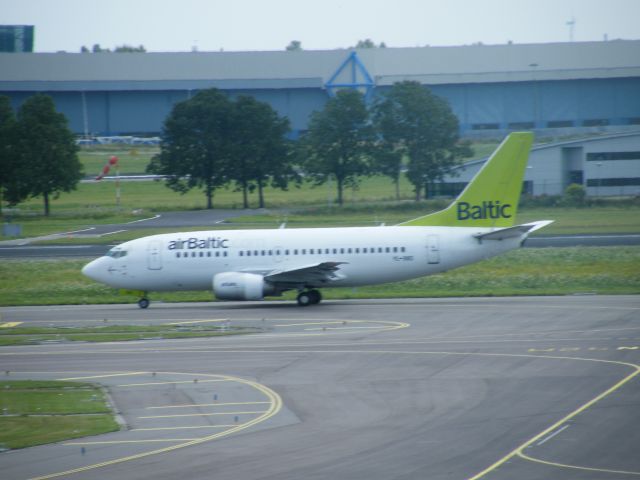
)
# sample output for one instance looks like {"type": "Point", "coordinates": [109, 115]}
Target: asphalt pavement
{"type": "Point", "coordinates": [495, 388]}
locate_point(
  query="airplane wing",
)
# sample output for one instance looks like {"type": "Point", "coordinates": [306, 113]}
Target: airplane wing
{"type": "Point", "coordinates": [314, 274]}
{"type": "Point", "coordinates": [511, 232]}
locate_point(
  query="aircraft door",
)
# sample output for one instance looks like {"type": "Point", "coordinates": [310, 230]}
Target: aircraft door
{"type": "Point", "coordinates": [154, 255]}
{"type": "Point", "coordinates": [433, 249]}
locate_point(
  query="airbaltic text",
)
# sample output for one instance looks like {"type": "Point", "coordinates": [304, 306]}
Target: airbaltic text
{"type": "Point", "coordinates": [199, 243]}
{"type": "Point", "coordinates": [488, 209]}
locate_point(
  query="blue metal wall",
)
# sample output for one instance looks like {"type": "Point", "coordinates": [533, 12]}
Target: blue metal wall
{"type": "Point", "coordinates": [503, 106]}
{"type": "Point", "coordinates": [579, 102]}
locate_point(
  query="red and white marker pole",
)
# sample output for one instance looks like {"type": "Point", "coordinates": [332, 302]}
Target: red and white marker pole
{"type": "Point", "coordinates": [113, 162]}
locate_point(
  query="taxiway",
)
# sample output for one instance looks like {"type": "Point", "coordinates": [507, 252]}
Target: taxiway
{"type": "Point", "coordinates": [495, 388]}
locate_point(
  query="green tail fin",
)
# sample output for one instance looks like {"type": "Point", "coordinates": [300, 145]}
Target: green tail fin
{"type": "Point", "coordinates": [491, 198]}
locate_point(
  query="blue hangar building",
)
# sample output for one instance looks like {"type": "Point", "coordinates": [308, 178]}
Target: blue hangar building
{"type": "Point", "coordinates": [491, 88]}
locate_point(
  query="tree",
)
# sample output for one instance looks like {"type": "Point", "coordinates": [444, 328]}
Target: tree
{"type": "Point", "coordinates": [575, 195]}
{"type": "Point", "coordinates": [48, 154]}
{"type": "Point", "coordinates": [414, 123]}
{"type": "Point", "coordinates": [8, 160]}
{"type": "Point", "coordinates": [120, 49]}
{"type": "Point", "coordinates": [338, 140]}
{"type": "Point", "coordinates": [368, 43]}
{"type": "Point", "coordinates": [294, 46]}
{"type": "Point", "coordinates": [129, 49]}
{"type": "Point", "coordinates": [196, 147]}
{"type": "Point", "coordinates": [260, 151]}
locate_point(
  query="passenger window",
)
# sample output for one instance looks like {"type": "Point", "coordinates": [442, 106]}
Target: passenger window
{"type": "Point", "coordinates": [357, 250]}
{"type": "Point", "coordinates": [225, 254]}
{"type": "Point", "coordinates": [342, 250]}
{"type": "Point", "coordinates": [402, 249]}
{"type": "Point", "coordinates": [286, 252]}
{"type": "Point", "coordinates": [379, 249]}
{"type": "Point", "coordinates": [304, 251]}
{"type": "Point", "coordinates": [218, 254]}
{"type": "Point", "coordinates": [364, 250]}
{"type": "Point", "coordinates": [387, 249]}
{"type": "Point", "coordinates": [311, 251]}
{"type": "Point", "coordinates": [193, 254]}
{"type": "Point", "coordinates": [178, 254]}
{"type": "Point", "coordinates": [395, 249]}
{"type": "Point", "coordinates": [295, 251]}
{"type": "Point", "coordinates": [335, 250]}
{"type": "Point", "coordinates": [348, 250]}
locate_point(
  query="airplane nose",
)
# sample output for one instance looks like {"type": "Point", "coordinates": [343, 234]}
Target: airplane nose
{"type": "Point", "coordinates": [93, 270]}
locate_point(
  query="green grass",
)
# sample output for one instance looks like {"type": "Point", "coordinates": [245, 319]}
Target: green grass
{"type": "Point", "coordinates": [567, 220]}
{"type": "Point", "coordinates": [39, 412]}
{"type": "Point", "coordinates": [50, 398]}
{"type": "Point", "coordinates": [539, 271]}
{"type": "Point", "coordinates": [115, 333]}
{"type": "Point", "coordinates": [545, 271]}
{"type": "Point", "coordinates": [131, 159]}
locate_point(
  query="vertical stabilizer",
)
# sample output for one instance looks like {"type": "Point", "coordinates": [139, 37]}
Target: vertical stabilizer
{"type": "Point", "coordinates": [491, 198]}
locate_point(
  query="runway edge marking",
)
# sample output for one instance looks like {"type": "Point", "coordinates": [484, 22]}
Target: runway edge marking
{"type": "Point", "coordinates": [275, 407]}
{"type": "Point", "coordinates": [519, 450]}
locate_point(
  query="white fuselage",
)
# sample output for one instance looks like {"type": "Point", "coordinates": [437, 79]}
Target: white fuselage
{"type": "Point", "coordinates": [367, 255]}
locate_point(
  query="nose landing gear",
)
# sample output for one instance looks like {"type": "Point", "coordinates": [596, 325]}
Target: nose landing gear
{"type": "Point", "coordinates": [309, 297]}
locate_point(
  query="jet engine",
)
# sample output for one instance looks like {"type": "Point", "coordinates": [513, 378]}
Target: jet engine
{"type": "Point", "coordinates": [241, 286]}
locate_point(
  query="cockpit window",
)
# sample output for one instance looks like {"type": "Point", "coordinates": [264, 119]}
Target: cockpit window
{"type": "Point", "coordinates": [117, 253]}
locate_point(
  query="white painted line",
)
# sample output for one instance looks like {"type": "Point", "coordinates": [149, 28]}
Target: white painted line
{"type": "Point", "coordinates": [116, 442]}
{"type": "Point", "coordinates": [128, 374]}
{"type": "Point", "coordinates": [180, 428]}
{"type": "Point", "coordinates": [170, 383]}
{"type": "Point", "coordinates": [557, 432]}
{"type": "Point", "coordinates": [144, 219]}
{"type": "Point", "coordinates": [345, 328]}
{"type": "Point", "coordinates": [77, 231]}
{"type": "Point", "coordinates": [198, 321]}
{"type": "Point", "coordinates": [208, 405]}
{"type": "Point", "coordinates": [204, 414]}
{"type": "Point", "coordinates": [111, 233]}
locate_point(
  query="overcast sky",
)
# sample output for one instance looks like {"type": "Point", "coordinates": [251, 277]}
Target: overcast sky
{"type": "Point", "coordinates": [233, 25]}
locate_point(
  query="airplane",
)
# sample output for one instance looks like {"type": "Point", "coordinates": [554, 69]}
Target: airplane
{"type": "Point", "coordinates": [254, 264]}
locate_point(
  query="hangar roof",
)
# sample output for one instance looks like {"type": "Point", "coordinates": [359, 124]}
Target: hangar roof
{"type": "Point", "coordinates": [312, 68]}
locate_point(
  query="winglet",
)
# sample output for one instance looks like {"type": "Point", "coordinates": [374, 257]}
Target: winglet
{"type": "Point", "coordinates": [491, 198]}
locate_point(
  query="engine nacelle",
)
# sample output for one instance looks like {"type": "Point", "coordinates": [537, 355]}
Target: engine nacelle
{"type": "Point", "coordinates": [240, 286]}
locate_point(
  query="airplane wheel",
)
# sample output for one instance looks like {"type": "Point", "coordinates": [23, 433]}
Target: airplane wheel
{"type": "Point", "coordinates": [316, 296]}
{"type": "Point", "coordinates": [304, 299]}
{"type": "Point", "coordinates": [143, 302]}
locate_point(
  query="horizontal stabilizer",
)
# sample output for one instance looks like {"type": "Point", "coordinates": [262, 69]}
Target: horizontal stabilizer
{"type": "Point", "coordinates": [511, 232]}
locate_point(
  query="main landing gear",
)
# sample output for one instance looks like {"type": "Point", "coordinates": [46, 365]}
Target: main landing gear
{"type": "Point", "coordinates": [309, 297]}
{"type": "Point", "coordinates": [144, 301]}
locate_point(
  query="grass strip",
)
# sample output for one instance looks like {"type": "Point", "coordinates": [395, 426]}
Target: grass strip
{"type": "Point", "coordinates": [531, 271]}
{"type": "Point", "coordinates": [39, 412]}
{"type": "Point", "coordinates": [115, 333]}
{"type": "Point", "coordinates": [567, 221]}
